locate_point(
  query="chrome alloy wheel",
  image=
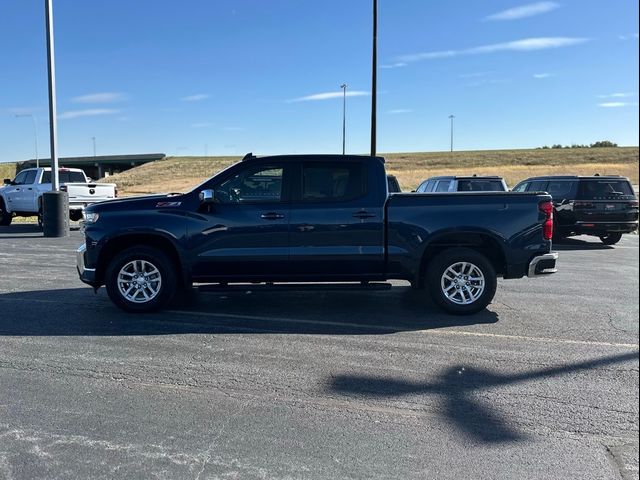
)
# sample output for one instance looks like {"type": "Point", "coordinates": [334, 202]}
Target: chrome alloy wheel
{"type": "Point", "coordinates": [462, 283]}
{"type": "Point", "coordinates": [139, 281]}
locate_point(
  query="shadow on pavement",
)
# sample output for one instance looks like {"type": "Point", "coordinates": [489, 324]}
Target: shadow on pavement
{"type": "Point", "coordinates": [567, 244]}
{"type": "Point", "coordinates": [77, 311]}
{"type": "Point", "coordinates": [456, 386]}
{"type": "Point", "coordinates": [21, 229]}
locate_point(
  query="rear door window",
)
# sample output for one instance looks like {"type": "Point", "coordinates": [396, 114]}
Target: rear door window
{"type": "Point", "coordinates": [443, 186]}
{"type": "Point", "coordinates": [560, 189]}
{"type": "Point", "coordinates": [538, 186]}
{"type": "Point", "coordinates": [333, 182]}
{"type": "Point", "coordinates": [64, 177]}
{"type": "Point", "coordinates": [594, 189]}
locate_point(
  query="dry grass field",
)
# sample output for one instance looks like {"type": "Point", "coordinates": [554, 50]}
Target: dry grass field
{"type": "Point", "coordinates": [7, 170]}
{"type": "Point", "coordinates": [179, 174]}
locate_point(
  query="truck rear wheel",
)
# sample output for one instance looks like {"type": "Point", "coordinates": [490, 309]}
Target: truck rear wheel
{"type": "Point", "coordinates": [5, 217]}
{"type": "Point", "coordinates": [140, 279]}
{"type": "Point", "coordinates": [461, 280]}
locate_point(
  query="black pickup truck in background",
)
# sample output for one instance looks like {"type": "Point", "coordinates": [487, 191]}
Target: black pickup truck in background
{"type": "Point", "coordinates": [314, 218]}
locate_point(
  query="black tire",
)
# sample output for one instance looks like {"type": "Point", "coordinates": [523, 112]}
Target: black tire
{"type": "Point", "coordinates": [5, 218]}
{"type": "Point", "coordinates": [610, 238]}
{"type": "Point", "coordinates": [450, 258]}
{"type": "Point", "coordinates": [166, 271]}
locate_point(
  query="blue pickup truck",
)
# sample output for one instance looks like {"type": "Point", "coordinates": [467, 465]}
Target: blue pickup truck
{"type": "Point", "coordinates": [314, 218]}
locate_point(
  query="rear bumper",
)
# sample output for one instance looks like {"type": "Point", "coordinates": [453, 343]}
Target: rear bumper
{"type": "Point", "coordinates": [543, 264]}
{"type": "Point", "coordinates": [604, 227]}
{"type": "Point", "coordinates": [87, 275]}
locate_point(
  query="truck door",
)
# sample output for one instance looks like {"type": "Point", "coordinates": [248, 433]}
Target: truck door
{"type": "Point", "coordinates": [14, 192]}
{"type": "Point", "coordinates": [246, 231]}
{"type": "Point", "coordinates": [337, 220]}
{"type": "Point", "coordinates": [26, 197]}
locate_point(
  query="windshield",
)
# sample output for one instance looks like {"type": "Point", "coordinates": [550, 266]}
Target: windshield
{"type": "Point", "coordinates": [593, 189]}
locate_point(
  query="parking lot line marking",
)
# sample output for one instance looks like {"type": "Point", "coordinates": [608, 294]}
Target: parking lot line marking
{"type": "Point", "coordinates": [396, 328]}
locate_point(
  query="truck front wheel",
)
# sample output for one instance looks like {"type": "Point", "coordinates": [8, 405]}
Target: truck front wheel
{"type": "Point", "coordinates": [140, 279]}
{"type": "Point", "coordinates": [461, 280]}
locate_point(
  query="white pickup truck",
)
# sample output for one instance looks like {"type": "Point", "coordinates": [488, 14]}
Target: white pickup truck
{"type": "Point", "coordinates": [22, 196]}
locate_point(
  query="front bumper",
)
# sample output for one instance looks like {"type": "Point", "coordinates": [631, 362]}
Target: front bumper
{"type": "Point", "coordinates": [543, 264]}
{"type": "Point", "coordinates": [87, 275]}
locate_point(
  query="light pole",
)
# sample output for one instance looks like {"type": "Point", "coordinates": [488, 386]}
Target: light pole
{"type": "Point", "coordinates": [451, 117]}
{"type": "Point", "coordinates": [374, 77]}
{"type": "Point", "coordinates": [35, 133]}
{"type": "Point", "coordinates": [55, 204]}
{"type": "Point", "coordinates": [344, 117]}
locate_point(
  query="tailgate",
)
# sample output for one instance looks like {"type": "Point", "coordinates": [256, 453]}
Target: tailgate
{"type": "Point", "coordinates": [90, 192]}
{"type": "Point", "coordinates": [611, 210]}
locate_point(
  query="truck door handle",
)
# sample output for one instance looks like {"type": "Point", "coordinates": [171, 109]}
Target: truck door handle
{"type": "Point", "coordinates": [364, 214]}
{"type": "Point", "coordinates": [272, 216]}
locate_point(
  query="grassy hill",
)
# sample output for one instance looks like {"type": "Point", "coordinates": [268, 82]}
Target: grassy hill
{"type": "Point", "coordinates": [177, 174]}
{"type": "Point", "coordinates": [7, 170]}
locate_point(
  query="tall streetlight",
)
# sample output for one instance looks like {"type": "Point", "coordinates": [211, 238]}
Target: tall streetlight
{"type": "Point", "coordinates": [35, 133]}
{"type": "Point", "coordinates": [55, 204]}
{"type": "Point", "coordinates": [374, 77]}
{"type": "Point", "coordinates": [451, 117]}
{"type": "Point", "coordinates": [344, 117]}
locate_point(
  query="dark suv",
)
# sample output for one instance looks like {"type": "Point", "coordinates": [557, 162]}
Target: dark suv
{"type": "Point", "coordinates": [603, 206]}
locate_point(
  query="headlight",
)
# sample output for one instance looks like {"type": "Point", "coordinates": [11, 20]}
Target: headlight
{"type": "Point", "coordinates": [90, 217]}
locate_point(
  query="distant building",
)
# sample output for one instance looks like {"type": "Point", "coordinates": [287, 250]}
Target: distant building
{"type": "Point", "coordinates": [98, 166]}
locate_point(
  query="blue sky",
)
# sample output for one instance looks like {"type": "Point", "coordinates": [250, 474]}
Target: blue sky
{"type": "Point", "coordinates": [230, 76]}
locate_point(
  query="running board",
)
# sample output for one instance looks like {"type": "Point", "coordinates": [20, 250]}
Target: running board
{"type": "Point", "coordinates": [280, 287]}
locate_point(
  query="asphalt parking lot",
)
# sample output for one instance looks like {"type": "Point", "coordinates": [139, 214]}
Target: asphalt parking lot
{"type": "Point", "coordinates": [319, 385]}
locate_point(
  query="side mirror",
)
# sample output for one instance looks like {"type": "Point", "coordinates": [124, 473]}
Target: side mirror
{"type": "Point", "coordinates": [207, 196]}
{"type": "Point", "coordinates": [7, 181]}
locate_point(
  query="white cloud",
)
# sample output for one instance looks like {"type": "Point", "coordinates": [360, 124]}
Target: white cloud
{"type": "Point", "coordinates": [329, 96]}
{"type": "Point", "coordinates": [543, 75]}
{"type": "Point", "coordinates": [399, 111]}
{"type": "Point", "coordinates": [618, 104]}
{"type": "Point", "coordinates": [523, 11]}
{"type": "Point", "coordinates": [394, 65]}
{"type": "Point", "coordinates": [628, 37]}
{"type": "Point", "coordinates": [524, 45]}
{"type": "Point", "coordinates": [90, 112]}
{"type": "Point", "coordinates": [102, 97]}
{"type": "Point", "coordinates": [618, 95]}
{"type": "Point", "coordinates": [474, 75]}
{"type": "Point", "coordinates": [195, 98]}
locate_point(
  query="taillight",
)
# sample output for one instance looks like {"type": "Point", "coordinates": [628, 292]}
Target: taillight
{"type": "Point", "coordinates": [547, 226]}
{"type": "Point", "coordinates": [115, 191]}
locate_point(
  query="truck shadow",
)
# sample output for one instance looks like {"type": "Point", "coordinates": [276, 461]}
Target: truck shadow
{"type": "Point", "coordinates": [456, 387]}
{"type": "Point", "coordinates": [17, 231]}
{"type": "Point", "coordinates": [567, 244]}
{"type": "Point", "coordinates": [77, 311]}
